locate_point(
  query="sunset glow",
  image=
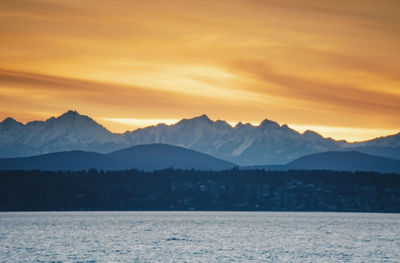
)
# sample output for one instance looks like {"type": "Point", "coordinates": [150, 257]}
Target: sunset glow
{"type": "Point", "coordinates": [329, 66]}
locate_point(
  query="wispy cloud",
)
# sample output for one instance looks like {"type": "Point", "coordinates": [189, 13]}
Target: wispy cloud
{"type": "Point", "coordinates": [313, 90]}
{"type": "Point", "coordinates": [328, 63]}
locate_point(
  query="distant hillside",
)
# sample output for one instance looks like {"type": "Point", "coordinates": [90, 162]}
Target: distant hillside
{"type": "Point", "coordinates": [142, 157]}
{"type": "Point", "coordinates": [340, 161]}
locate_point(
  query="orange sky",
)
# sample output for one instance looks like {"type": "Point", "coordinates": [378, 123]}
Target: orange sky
{"type": "Point", "coordinates": [332, 66]}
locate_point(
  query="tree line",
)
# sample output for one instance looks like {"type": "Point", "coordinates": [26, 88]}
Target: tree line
{"type": "Point", "coordinates": [229, 190]}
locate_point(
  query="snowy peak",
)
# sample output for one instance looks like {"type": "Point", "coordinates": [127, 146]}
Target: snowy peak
{"type": "Point", "coordinates": [70, 114]}
{"type": "Point", "coordinates": [10, 122]}
{"type": "Point", "coordinates": [268, 124]}
{"type": "Point", "coordinates": [240, 125]}
{"type": "Point", "coordinates": [200, 125]}
{"type": "Point", "coordinates": [10, 133]}
{"type": "Point", "coordinates": [223, 124]}
{"type": "Point", "coordinates": [75, 125]}
{"type": "Point", "coordinates": [69, 131]}
{"type": "Point", "coordinates": [312, 134]}
{"type": "Point", "coordinates": [203, 117]}
{"type": "Point", "coordinates": [73, 121]}
{"type": "Point", "coordinates": [202, 120]}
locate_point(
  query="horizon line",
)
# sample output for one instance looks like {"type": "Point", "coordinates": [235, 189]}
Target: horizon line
{"type": "Point", "coordinates": [142, 123]}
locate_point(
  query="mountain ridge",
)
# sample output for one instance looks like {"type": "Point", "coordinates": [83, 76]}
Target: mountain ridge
{"type": "Point", "coordinates": [244, 144]}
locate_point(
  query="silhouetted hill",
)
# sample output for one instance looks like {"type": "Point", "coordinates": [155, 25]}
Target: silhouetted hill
{"type": "Point", "coordinates": [340, 161]}
{"type": "Point", "coordinates": [142, 157]}
{"type": "Point", "coordinates": [74, 160]}
{"type": "Point", "coordinates": [161, 156]}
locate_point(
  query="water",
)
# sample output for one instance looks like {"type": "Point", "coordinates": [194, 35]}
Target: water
{"type": "Point", "coordinates": [199, 237]}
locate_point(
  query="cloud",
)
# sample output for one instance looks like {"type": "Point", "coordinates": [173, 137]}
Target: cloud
{"type": "Point", "coordinates": [40, 92]}
{"type": "Point", "coordinates": [305, 62]}
{"type": "Point", "coordinates": [107, 93]}
{"type": "Point", "coordinates": [327, 92]}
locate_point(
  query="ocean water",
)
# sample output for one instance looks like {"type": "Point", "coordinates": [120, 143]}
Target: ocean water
{"type": "Point", "coordinates": [199, 237]}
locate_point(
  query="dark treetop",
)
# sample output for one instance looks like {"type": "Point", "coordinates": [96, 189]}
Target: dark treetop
{"type": "Point", "coordinates": [236, 190]}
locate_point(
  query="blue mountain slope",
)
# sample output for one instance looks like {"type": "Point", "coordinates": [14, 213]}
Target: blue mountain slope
{"type": "Point", "coordinates": [142, 157]}
{"type": "Point", "coordinates": [159, 156]}
{"type": "Point", "coordinates": [73, 160]}
{"type": "Point", "coordinates": [339, 161]}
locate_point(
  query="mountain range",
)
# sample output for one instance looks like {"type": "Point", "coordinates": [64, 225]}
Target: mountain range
{"type": "Point", "coordinates": [244, 144]}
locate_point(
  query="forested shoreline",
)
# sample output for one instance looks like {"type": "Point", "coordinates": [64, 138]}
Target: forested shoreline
{"type": "Point", "coordinates": [182, 190]}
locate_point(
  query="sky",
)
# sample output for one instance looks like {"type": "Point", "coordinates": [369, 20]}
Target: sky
{"type": "Point", "coordinates": [329, 66]}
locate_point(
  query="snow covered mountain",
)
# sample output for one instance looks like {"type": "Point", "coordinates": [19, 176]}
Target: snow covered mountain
{"type": "Point", "coordinates": [244, 144]}
{"type": "Point", "coordinates": [70, 131]}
